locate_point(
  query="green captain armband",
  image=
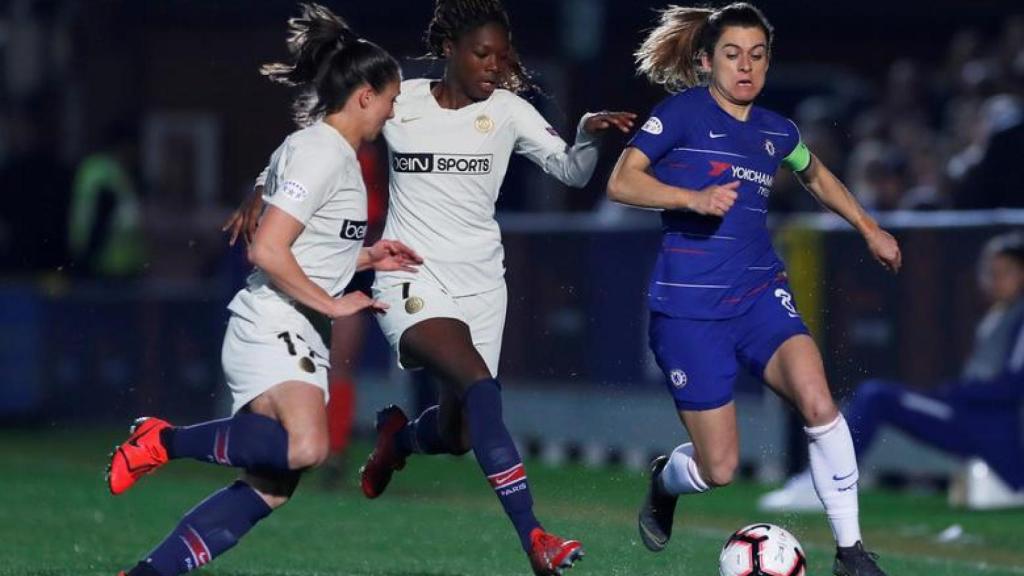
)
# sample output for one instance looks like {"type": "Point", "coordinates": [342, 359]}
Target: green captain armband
{"type": "Point", "coordinates": [799, 159]}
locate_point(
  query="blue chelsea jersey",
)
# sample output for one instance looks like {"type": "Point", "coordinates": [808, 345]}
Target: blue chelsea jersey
{"type": "Point", "coordinates": [711, 267]}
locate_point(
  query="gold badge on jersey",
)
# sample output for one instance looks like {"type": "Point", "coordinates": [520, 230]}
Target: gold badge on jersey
{"type": "Point", "coordinates": [306, 364]}
{"type": "Point", "coordinates": [413, 304]}
{"type": "Point", "coordinates": [484, 124]}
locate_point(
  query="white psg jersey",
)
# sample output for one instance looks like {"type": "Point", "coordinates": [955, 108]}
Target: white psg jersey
{"type": "Point", "coordinates": [315, 177]}
{"type": "Point", "coordinates": [447, 167]}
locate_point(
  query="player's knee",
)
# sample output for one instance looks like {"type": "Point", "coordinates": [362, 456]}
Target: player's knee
{"type": "Point", "coordinates": [819, 410]}
{"type": "Point", "coordinates": [307, 452]}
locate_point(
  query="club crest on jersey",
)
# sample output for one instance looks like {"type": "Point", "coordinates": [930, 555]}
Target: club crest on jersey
{"type": "Point", "coordinates": [653, 126]}
{"type": "Point", "coordinates": [769, 147]}
{"type": "Point", "coordinates": [442, 163]}
{"type": "Point", "coordinates": [483, 124]}
{"type": "Point", "coordinates": [353, 229]}
{"type": "Point", "coordinates": [678, 378]}
{"type": "Point", "coordinates": [295, 191]}
{"type": "Point", "coordinates": [413, 305]}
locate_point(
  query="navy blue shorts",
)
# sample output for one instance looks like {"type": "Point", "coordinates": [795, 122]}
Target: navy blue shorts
{"type": "Point", "coordinates": [700, 357]}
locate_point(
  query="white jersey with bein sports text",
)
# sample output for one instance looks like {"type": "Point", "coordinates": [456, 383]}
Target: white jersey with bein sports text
{"type": "Point", "coordinates": [313, 176]}
{"type": "Point", "coordinates": [447, 167]}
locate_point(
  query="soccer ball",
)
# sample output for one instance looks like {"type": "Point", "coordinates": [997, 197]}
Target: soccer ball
{"type": "Point", "coordinates": [762, 550]}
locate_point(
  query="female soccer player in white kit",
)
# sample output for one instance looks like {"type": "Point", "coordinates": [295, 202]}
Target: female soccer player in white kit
{"type": "Point", "coordinates": [308, 246]}
{"type": "Point", "coordinates": [450, 144]}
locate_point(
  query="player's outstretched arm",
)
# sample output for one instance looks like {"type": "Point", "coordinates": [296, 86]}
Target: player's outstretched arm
{"type": "Point", "coordinates": [833, 194]}
{"type": "Point", "coordinates": [271, 251]}
{"type": "Point", "coordinates": [571, 165]}
{"type": "Point", "coordinates": [597, 122]}
{"type": "Point", "coordinates": [631, 183]}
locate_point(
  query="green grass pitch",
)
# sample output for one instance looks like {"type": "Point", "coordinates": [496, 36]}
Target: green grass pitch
{"type": "Point", "coordinates": [438, 518]}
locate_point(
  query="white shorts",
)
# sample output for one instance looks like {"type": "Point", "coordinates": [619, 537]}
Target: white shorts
{"type": "Point", "coordinates": [413, 302]}
{"type": "Point", "coordinates": [261, 352]}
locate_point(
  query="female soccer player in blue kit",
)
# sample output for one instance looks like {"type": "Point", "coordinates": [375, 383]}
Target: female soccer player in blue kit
{"type": "Point", "coordinates": [719, 296]}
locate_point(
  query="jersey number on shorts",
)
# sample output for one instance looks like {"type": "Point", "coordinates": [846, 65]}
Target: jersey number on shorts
{"type": "Point", "coordinates": [786, 299]}
{"type": "Point", "coordinates": [291, 345]}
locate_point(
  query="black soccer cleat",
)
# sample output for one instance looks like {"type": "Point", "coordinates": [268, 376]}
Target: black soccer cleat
{"type": "Point", "coordinates": [657, 511]}
{"type": "Point", "coordinates": [856, 561]}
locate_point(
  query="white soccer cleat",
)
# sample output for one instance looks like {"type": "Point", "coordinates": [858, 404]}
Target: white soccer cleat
{"type": "Point", "coordinates": [983, 489]}
{"type": "Point", "coordinates": [796, 495]}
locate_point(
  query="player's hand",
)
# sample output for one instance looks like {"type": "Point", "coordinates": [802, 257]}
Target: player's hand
{"type": "Point", "coordinates": [885, 249]}
{"type": "Point", "coordinates": [244, 220]}
{"type": "Point", "coordinates": [716, 200]}
{"type": "Point", "coordinates": [353, 303]}
{"type": "Point", "coordinates": [391, 255]}
{"type": "Point", "coordinates": [604, 120]}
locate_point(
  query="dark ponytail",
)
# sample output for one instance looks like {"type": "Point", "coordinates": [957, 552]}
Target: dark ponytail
{"type": "Point", "coordinates": [329, 61]}
{"type": "Point", "coordinates": [453, 18]}
{"type": "Point", "coordinates": [670, 54]}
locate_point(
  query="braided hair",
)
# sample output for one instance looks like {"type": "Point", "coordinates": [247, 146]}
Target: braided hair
{"type": "Point", "coordinates": [454, 18]}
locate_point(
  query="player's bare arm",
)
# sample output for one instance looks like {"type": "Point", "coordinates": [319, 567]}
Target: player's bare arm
{"type": "Point", "coordinates": [271, 251]}
{"type": "Point", "coordinates": [833, 194]}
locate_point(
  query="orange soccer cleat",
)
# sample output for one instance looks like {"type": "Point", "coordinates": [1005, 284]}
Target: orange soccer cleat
{"type": "Point", "coordinates": [551, 555]}
{"type": "Point", "coordinates": [140, 454]}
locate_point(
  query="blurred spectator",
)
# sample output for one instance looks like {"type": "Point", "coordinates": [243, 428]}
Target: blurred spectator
{"type": "Point", "coordinates": [104, 225]}
{"type": "Point", "coordinates": [977, 415]}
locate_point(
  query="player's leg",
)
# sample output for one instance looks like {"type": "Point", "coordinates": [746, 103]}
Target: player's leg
{"type": "Point", "coordinates": [254, 362]}
{"type": "Point", "coordinates": [776, 346]}
{"type": "Point", "coordinates": [217, 523]}
{"type": "Point", "coordinates": [699, 364]}
{"type": "Point", "coordinates": [446, 348]}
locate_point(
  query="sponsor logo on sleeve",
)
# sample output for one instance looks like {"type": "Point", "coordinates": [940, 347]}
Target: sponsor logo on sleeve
{"type": "Point", "coordinates": [353, 229]}
{"type": "Point", "coordinates": [442, 163]}
{"type": "Point", "coordinates": [295, 191]}
{"type": "Point", "coordinates": [653, 126]}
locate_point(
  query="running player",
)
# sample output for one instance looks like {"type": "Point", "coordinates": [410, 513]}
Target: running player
{"type": "Point", "coordinates": [450, 143]}
{"type": "Point", "coordinates": [719, 297]}
{"type": "Point", "coordinates": [305, 251]}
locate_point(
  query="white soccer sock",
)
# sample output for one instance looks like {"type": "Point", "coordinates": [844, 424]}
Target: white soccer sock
{"type": "Point", "coordinates": [835, 475]}
{"type": "Point", "coordinates": [680, 474]}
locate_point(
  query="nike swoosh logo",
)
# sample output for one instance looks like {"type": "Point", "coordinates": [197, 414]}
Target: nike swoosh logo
{"type": "Point", "coordinates": [841, 478]}
{"type": "Point", "coordinates": [406, 119]}
{"type": "Point", "coordinates": [850, 487]}
{"type": "Point", "coordinates": [713, 135]}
